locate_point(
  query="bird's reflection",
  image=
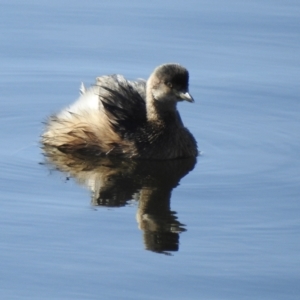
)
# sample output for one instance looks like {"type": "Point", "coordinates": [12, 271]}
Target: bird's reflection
{"type": "Point", "coordinates": [114, 182]}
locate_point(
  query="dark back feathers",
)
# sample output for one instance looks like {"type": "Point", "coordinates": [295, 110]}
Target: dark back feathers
{"type": "Point", "coordinates": [124, 104]}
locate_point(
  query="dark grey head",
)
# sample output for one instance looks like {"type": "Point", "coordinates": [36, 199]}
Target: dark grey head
{"type": "Point", "coordinates": [170, 83]}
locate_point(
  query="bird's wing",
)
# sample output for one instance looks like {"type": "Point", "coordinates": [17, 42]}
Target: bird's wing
{"type": "Point", "coordinates": [123, 102]}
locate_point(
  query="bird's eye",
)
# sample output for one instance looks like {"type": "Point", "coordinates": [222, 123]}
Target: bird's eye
{"type": "Point", "coordinates": [169, 84]}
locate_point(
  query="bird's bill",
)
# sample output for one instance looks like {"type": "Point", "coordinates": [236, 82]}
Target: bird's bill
{"type": "Point", "coordinates": [186, 96]}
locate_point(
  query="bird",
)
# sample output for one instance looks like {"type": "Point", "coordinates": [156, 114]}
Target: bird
{"type": "Point", "coordinates": [117, 117]}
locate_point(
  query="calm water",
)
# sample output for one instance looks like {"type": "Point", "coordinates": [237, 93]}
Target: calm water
{"type": "Point", "coordinates": [235, 215]}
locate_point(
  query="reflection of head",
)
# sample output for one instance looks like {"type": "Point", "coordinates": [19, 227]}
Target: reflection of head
{"type": "Point", "coordinates": [161, 242]}
{"type": "Point", "coordinates": [161, 228]}
{"type": "Point", "coordinates": [113, 182]}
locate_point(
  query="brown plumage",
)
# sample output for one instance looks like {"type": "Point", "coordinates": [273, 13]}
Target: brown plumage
{"type": "Point", "coordinates": [132, 119]}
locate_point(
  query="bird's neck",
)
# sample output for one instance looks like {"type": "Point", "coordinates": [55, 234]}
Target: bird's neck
{"type": "Point", "coordinates": [161, 111]}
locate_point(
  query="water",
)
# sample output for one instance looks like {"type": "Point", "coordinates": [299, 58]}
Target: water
{"type": "Point", "coordinates": [240, 203]}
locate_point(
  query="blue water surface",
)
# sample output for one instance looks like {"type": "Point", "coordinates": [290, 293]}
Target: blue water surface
{"type": "Point", "coordinates": [240, 204]}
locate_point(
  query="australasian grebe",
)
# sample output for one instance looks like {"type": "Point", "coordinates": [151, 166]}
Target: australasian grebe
{"type": "Point", "coordinates": [130, 119]}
